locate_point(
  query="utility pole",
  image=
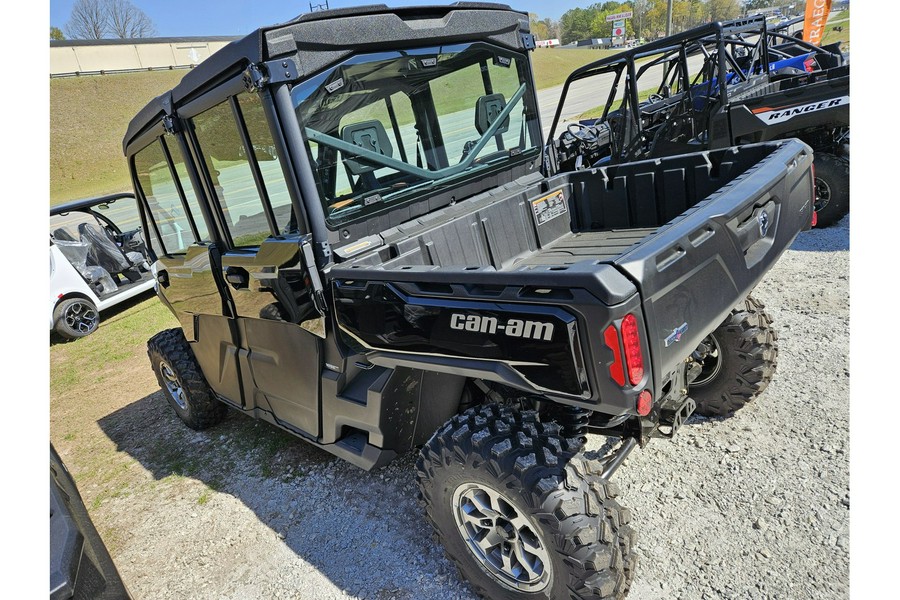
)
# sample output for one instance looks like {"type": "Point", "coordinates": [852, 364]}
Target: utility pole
{"type": "Point", "coordinates": [669, 20]}
{"type": "Point", "coordinates": [317, 7]}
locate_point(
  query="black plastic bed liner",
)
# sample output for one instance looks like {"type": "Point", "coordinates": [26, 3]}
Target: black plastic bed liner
{"type": "Point", "coordinates": [598, 245]}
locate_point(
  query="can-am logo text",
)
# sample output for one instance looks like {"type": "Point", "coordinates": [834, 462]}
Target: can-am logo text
{"type": "Point", "coordinates": [513, 327]}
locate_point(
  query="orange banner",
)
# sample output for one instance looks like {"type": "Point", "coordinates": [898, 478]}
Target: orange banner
{"type": "Point", "coordinates": [814, 22]}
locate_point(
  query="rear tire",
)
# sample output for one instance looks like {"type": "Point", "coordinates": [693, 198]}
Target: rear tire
{"type": "Point", "coordinates": [521, 513]}
{"type": "Point", "coordinates": [75, 318]}
{"type": "Point", "coordinates": [832, 188]}
{"type": "Point", "coordinates": [740, 364]}
{"type": "Point", "coordinates": [182, 381]}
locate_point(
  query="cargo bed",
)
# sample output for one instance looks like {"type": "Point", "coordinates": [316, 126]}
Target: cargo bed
{"type": "Point", "coordinates": [680, 239]}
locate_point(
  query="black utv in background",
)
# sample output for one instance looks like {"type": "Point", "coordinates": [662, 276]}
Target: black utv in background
{"type": "Point", "coordinates": [717, 85]}
{"type": "Point", "coordinates": [375, 256]}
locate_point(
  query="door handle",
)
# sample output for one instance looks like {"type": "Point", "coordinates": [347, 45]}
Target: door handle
{"type": "Point", "coordinates": [163, 278]}
{"type": "Point", "coordinates": [237, 277]}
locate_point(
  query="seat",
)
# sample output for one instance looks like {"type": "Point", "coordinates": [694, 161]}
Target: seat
{"type": "Point", "coordinates": [102, 251]}
{"type": "Point", "coordinates": [61, 233]}
{"type": "Point", "coordinates": [371, 136]}
{"type": "Point", "coordinates": [77, 254]}
{"type": "Point", "coordinates": [487, 110]}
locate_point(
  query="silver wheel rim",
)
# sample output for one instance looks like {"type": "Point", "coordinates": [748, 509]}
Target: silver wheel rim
{"type": "Point", "coordinates": [172, 386]}
{"type": "Point", "coordinates": [81, 317]}
{"type": "Point", "coordinates": [712, 362]}
{"type": "Point", "coordinates": [501, 538]}
{"type": "Point", "coordinates": [823, 194]}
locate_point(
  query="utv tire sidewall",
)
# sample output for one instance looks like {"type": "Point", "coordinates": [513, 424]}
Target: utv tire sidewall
{"type": "Point", "coordinates": [173, 362]}
{"type": "Point", "coordinates": [581, 527]}
{"type": "Point", "coordinates": [748, 351]}
{"type": "Point", "coordinates": [832, 173]}
{"type": "Point", "coordinates": [61, 315]}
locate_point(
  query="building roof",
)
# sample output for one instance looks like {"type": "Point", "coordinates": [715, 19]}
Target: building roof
{"type": "Point", "coordinates": [149, 40]}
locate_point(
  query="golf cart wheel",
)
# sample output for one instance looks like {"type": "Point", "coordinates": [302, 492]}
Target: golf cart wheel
{"type": "Point", "coordinates": [182, 381]}
{"type": "Point", "coordinates": [76, 318]}
{"type": "Point", "coordinates": [832, 187]}
{"type": "Point", "coordinates": [520, 512]}
{"type": "Point", "coordinates": [737, 361]}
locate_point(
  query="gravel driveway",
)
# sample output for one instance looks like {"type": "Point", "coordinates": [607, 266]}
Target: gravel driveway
{"type": "Point", "coordinates": [756, 506]}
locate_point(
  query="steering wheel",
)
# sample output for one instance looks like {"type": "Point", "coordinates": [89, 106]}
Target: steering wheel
{"type": "Point", "coordinates": [577, 126]}
{"type": "Point", "coordinates": [655, 98]}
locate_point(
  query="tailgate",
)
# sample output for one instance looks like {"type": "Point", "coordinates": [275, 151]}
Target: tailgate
{"type": "Point", "coordinates": [694, 270]}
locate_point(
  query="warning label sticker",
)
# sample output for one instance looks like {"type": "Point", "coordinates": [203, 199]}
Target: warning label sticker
{"type": "Point", "coordinates": [549, 207]}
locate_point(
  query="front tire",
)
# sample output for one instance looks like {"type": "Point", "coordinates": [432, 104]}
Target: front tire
{"type": "Point", "coordinates": [832, 186]}
{"type": "Point", "coordinates": [75, 318]}
{"type": "Point", "coordinates": [182, 380]}
{"type": "Point", "coordinates": [738, 361]}
{"type": "Point", "coordinates": [521, 513]}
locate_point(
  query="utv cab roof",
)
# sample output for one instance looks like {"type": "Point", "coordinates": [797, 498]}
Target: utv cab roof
{"type": "Point", "coordinates": [317, 40]}
{"type": "Point", "coordinates": [87, 203]}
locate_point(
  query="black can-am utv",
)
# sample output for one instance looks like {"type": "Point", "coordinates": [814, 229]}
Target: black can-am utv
{"type": "Point", "coordinates": [376, 257]}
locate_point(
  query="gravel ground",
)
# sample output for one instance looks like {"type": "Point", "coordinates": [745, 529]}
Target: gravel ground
{"type": "Point", "coordinates": [756, 506]}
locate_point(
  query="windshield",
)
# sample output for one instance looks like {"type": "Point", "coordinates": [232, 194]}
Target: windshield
{"type": "Point", "coordinates": [392, 127]}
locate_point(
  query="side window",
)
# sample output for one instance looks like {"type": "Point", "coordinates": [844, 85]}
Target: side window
{"type": "Point", "coordinates": [163, 198]}
{"type": "Point", "coordinates": [232, 171]}
{"type": "Point", "coordinates": [267, 158]}
{"type": "Point", "coordinates": [190, 196]}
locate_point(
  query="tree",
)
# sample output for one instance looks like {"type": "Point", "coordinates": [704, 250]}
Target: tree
{"type": "Point", "coordinates": [552, 28]}
{"type": "Point", "coordinates": [88, 20]}
{"type": "Point", "coordinates": [753, 6]}
{"type": "Point", "coordinates": [576, 24]}
{"type": "Point", "coordinates": [538, 28]}
{"type": "Point", "coordinates": [97, 19]}
{"type": "Point", "coordinates": [56, 33]}
{"type": "Point", "coordinates": [721, 10]}
{"type": "Point", "coordinates": [128, 21]}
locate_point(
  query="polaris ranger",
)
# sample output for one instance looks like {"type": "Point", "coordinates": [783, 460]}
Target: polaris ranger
{"type": "Point", "coordinates": [718, 85]}
{"type": "Point", "coordinates": [375, 257]}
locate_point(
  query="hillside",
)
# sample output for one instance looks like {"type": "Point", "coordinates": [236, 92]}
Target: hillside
{"type": "Point", "coordinates": [88, 118]}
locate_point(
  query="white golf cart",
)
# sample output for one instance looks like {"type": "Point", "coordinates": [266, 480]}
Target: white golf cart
{"type": "Point", "coordinates": [98, 259]}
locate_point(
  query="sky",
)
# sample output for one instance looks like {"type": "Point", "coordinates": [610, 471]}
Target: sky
{"type": "Point", "coordinates": [176, 18]}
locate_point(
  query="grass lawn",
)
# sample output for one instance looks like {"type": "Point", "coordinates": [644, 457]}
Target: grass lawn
{"type": "Point", "coordinates": [842, 20]}
{"type": "Point", "coordinates": [552, 66]}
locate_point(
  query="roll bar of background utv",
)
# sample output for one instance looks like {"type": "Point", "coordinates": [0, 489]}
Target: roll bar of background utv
{"type": "Point", "coordinates": [717, 30]}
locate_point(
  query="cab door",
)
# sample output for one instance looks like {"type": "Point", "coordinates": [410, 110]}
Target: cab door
{"type": "Point", "coordinates": [280, 359]}
{"type": "Point", "coordinates": [188, 265]}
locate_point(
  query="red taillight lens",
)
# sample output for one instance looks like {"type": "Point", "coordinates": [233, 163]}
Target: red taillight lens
{"type": "Point", "coordinates": [809, 64]}
{"type": "Point", "coordinates": [616, 370]}
{"type": "Point", "coordinates": [634, 358]}
{"type": "Point", "coordinates": [644, 403]}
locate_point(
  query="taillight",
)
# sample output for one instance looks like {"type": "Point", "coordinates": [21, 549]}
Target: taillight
{"type": "Point", "coordinates": [616, 369]}
{"type": "Point", "coordinates": [809, 64]}
{"type": "Point", "coordinates": [644, 403]}
{"type": "Point", "coordinates": [634, 358]}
